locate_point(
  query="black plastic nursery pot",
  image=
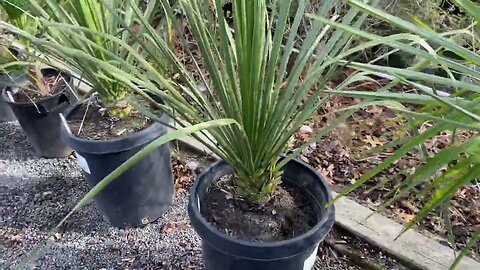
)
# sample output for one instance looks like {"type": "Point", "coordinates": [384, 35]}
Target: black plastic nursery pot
{"type": "Point", "coordinates": [140, 195]}
{"type": "Point", "coordinates": [224, 252]}
{"type": "Point", "coordinates": [40, 120]}
{"type": "Point", "coordinates": [12, 78]}
{"type": "Point", "coordinates": [6, 113]}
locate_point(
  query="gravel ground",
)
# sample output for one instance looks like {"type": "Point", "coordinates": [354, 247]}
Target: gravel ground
{"type": "Point", "coordinates": [35, 194]}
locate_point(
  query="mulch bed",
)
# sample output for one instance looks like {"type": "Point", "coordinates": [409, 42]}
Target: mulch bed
{"type": "Point", "coordinates": [343, 157]}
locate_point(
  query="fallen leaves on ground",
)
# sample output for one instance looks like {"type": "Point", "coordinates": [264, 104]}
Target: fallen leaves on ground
{"type": "Point", "coordinates": [341, 157]}
{"type": "Point", "coordinates": [182, 175]}
{"type": "Point", "coordinates": [172, 227]}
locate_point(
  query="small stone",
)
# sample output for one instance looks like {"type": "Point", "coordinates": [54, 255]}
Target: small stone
{"type": "Point", "coordinates": [92, 241]}
{"type": "Point", "coordinates": [306, 129]}
{"type": "Point", "coordinates": [192, 165]}
{"type": "Point", "coordinates": [110, 244]}
{"type": "Point", "coordinates": [16, 239]}
{"type": "Point", "coordinates": [47, 195]}
{"type": "Point", "coordinates": [202, 88]}
{"type": "Point", "coordinates": [57, 236]}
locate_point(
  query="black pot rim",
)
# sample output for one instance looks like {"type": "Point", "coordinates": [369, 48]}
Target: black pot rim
{"type": "Point", "coordinates": [65, 75]}
{"type": "Point", "coordinates": [327, 217]}
{"type": "Point", "coordinates": [112, 145]}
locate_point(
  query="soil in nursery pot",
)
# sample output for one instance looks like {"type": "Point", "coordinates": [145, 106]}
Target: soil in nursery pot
{"type": "Point", "coordinates": [94, 123]}
{"type": "Point", "coordinates": [31, 93]}
{"type": "Point", "coordinates": [274, 221]}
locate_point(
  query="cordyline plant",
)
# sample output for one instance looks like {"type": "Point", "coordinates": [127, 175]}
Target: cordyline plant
{"type": "Point", "coordinates": [444, 173]}
{"type": "Point", "coordinates": [60, 22]}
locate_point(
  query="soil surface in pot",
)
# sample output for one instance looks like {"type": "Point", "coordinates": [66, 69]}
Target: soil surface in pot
{"type": "Point", "coordinates": [274, 221]}
{"type": "Point", "coordinates": [94, 123]}
{"type": "Point", "coordinates": [31, 93]}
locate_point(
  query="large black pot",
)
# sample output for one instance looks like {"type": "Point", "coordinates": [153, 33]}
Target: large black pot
{"type": "Point", "coordinates": [140, 195]}
{"type": "Point", "coordinates": [40, 120]}
{"type": "Point", "coordinates": [223, 252]}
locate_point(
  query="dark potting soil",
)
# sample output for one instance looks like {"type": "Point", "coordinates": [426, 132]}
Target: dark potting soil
{"type": "Point", "coordinates": [31, 93]}
{"type": "Point", "coordinates": [288, 214]}
{"type": "Point", "coordinates": [94, 123]}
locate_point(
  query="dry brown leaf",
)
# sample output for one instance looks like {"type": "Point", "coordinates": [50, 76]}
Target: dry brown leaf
{"type": "Point", "coordinates": [176, 226]}
{"type": "Point", "coordinates": [410, 206]}
{"type": "Point", "coordinates": [168, 228]}
{"type": "Point", "coordinates": [304, 159]}
{"type": "Point", "coordinates": [326, 177]}
{"type": "Point", "coordinates": [404, 216]}
{"type": "Point", "coordinates": [373, 141]}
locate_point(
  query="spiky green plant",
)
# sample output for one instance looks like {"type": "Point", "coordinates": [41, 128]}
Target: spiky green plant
{"type": "Point", "coordinates": [251, 79]}
{"type": "Point", "coordinates": [16, 15]}
{"type": "Point", "coordinates": [60, 21]}
{"type": "Point", "coordinates": [14, 11]}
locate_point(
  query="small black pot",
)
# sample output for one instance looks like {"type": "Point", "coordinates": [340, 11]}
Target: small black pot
{"type": "Point", "coordinates": [223, 252]}
{"type": "Point", "coordinates": [6, 113]}
{"type": "Point", "coordinates": [140, 195]}
{"type": "Point", "coordinates": [12, 78]}
{"type": "Point", "coordinates": [41, 120]}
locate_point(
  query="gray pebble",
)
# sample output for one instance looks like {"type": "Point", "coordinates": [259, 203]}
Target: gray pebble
{"type": "Point", "coordinates": [192, 165]}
